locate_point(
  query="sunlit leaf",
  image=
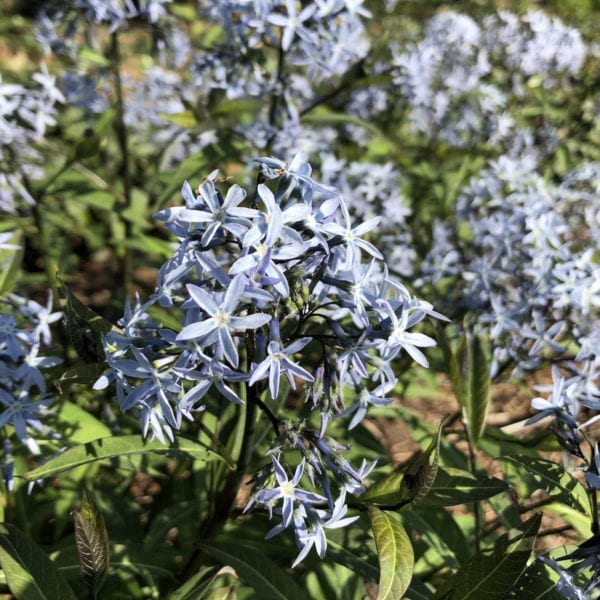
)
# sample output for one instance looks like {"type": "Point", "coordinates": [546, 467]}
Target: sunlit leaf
{"type": "Point", "coordinates": [395, 554]}
{"type": "Point", "coordinates": [120, 446]}
{"type": "Point", "coordinates": [10, 263]}
{"type": "Point", "coordinates": [29, 572]}
{"type": "Point", "coordinates": [552, 478]}
{"type": "Point", "coordinates": [470, 376]}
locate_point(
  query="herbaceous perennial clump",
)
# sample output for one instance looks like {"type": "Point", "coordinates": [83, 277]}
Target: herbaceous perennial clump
{"type": "Point", "coordinates": [280, 286]}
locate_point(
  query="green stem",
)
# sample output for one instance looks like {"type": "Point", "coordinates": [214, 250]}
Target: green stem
{"type": "Point", "coordinates": [125, 171]}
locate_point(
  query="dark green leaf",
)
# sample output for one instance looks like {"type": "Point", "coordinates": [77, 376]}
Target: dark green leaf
{"type": "Point", "coordinates": [86, 147]}
{"type": "Point", "coordinates": [455, 486]}
{"type": "Point", "coordinates": [85, 374]}
{"type": "Point", "coordinates": [120, 446]}
{"type": "Point", "coordinates": [91, 539]}
{"type": "Point", "coordinates": [29, 573]}
{"type": "Point", "coordinates": [256, 570]}
{"type": "Point", "coordinates": [492, 576]}
{"type": "Point", "coordinates": [395, 554]}
{"type": "Point", "coordinates": [552, 478]}
{"type": "Point", "coordinates": [537, 583]}
{"type": "Point", "coordinates": [86, 328]}
{"type": "Point", "coordinates": [343, 556]}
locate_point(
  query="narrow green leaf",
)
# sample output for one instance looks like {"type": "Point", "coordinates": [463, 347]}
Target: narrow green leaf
{"type": "Point", "coordinates": [192, 166]}
{"type": "Point", "coordinates": [343, 556]}
{"type": "Point", "coordinates": [479, 396]}
{"type": "Point", "coordinates": [263, 575]}
{"type": "Point", "coordinates": [395, 554]}
{"type": "Point", "coordinates": [29, 572]}
{"type": "Point", "coordinates": [10, 263]}
{"type": "Point", "coordinates": [459, 372]}
{"type": "Point", "coordinates": [492, 576]}
{"type": "Point", "coordinates": [91, 539]}
{"type": "Point", "coordinates": [412, 484]}
{"type": "Point", "coordinates": [470, 377]}
{"type": "Point", "coordinates": [454, 486]}
{"type": "Point", "coordinates": [115, 447]}
{"type": "Point", "coordinates": [421, 471]}
{"type": "Point", "coordinates": [552, 478]}
{"type": "Point", "coordinates": [185, 119]}
{"type": "Point", "coordinates": [86, 374]}
{"type": "Point", "coordinates": [86, 328]}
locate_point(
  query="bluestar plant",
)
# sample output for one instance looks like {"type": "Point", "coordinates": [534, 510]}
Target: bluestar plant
{"type": "Point", "coordinates": [274, 284]}
{"type": "Point", "coordinates": [25, 400]}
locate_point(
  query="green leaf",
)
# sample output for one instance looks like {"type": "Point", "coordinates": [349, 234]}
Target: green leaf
{"type": "Point", "coordinates": [10, 263]}
{"type": "Point", "coordinates": [492, 576]}
{"type": "Point", "coordinates": [263, 575]}
{"type": "Point", "coordinates": [91, 539]}
{"type": "Point", "coordinates": [192, 166]}
{"type": "Point", "coordinates": [552, 478]}
{"type": "Point", "coordinates": [386, 492]}
{"type": "Point", "coordinates": [86, 328]}
{"type": "Point", "coordinates": [185, 119]}
{"type": "Point", "coordinates": [537, 583]}
{"type": "Point", "coordinates": [343, 556]}
{"type": "Point", "coordinates": [421, 471]}
{"type": "Point", "coordinates": [29, 572]}
{"type": "Point", "coordinates": [479, 397]}
{"type": "Point", "coordinates": [86, 147]}
{"type": "Point", "coordinates": [85, 374]}
{"type": "Point", "coordinates": [412, 484]}
{"type": "Point", "coordinates": [395, 554]}
{"type": "Point", "coordinates": [85, 427]}
{"type": "Point", "coordinates": [470, 377]}
{"type": "Point", "coordinates": [454, 486]}
{"type": "Point", "coordinates": [237, 107]}
{"type": "Point", "coordinates": [116, 447]}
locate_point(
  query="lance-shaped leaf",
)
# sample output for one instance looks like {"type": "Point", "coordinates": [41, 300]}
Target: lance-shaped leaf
{"type": "Point", "coordinates": [412, 484]}
{"type": "Point", "coordinates": [118, 447]}
{"type": "Point", "coordinates": [492, 576]}
{"type": "Point", "coordinates": [91, 538]}
{"type": "Point", "coordinates": [470, 376]}
{"type": "Point", "coordinates": [395, 554]}
{"type": "Point", "coordinates": [454, 486]}
{"type": "Point", "coordinates": [552, 478]}
{"type": "Point", "coordinates": [86, 328]}
{"type": "Point", "coordinates": [255, 569]}
{"type": "Point", "coordinates": [29, 572]}
{"type": "Point", "coordinates": [10, 263]}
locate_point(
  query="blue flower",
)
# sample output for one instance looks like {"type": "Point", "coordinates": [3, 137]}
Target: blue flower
{"type": "Point", "coordinates": [278, 363]}
{"type": "Point", "coordinates": [221, 321]}
{"type": "Point", "coordinates": [288, 492]}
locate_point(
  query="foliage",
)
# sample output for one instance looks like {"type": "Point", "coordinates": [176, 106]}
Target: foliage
{"type": "Point", "coordinates": [240, 238]}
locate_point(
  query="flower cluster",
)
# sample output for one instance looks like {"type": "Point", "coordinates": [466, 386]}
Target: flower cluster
{"type": "Point", "coordinates": [280, 286]}
{"type": "Point", "coordinates": [24, 399]}
{"type": "Point", "coordinates": [528, 269]}
{"type": "Point", "coordinates": [448, 79]}
{"type": "Point", "coordinates": [26, 111]}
